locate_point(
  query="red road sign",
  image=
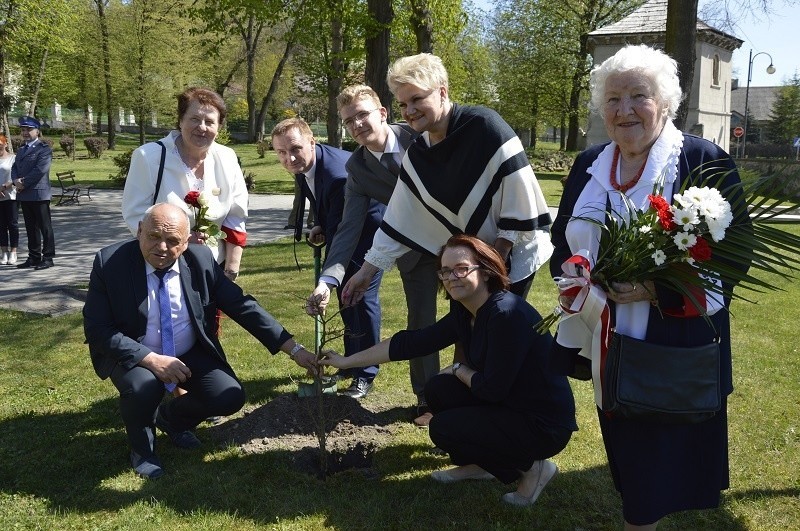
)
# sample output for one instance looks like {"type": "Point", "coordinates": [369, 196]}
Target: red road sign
{"type": "Point", "coordinates": [738, 132]}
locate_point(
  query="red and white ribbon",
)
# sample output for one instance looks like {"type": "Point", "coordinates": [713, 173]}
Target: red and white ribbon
{"type": "Point", "coordinates": [585, 319]}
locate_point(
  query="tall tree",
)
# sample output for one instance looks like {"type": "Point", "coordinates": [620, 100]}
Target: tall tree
{"type": "Point", "coordinates": [105, 50]}
{"type": "Point", "coordinates": [680, 45]}
{"type": "Point", "coordinates": [378, 37]}
{"type": "Point", "coordinates": [253, 22]}
{"type": "Point", "coordinates": [422, 23]}
{"type": "Point", "coordinates": [784, 117]}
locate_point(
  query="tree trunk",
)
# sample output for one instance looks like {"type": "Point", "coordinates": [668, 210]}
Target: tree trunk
{"type": "Point", "coordinates": [5, 100]}
{"type": "Point", "coordinates": [273, 85]}
{"type": "Point", "coordinates": [578, 77]}
{"type": "Point", "coordinates": [422, 25]}
{"type": "Point", "coordinates": [222, 86]}
{"type": "Point", "coordinates": [112, 120]}
{"type": "Point", "coordinates": [42, 68]}
{"type": "Point", "coordinates": [335, 73]}
{"type": "Point", "coordinates": [377, 47]}
{"type": "Point", "coordinates": [680, 45]}
{"type": "Point", "coordinates": [250, 96]}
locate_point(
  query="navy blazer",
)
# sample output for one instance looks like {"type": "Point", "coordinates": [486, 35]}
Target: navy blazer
{"type": "Point", "coordinates": [33, 167]}
{"type": "Point", "coordinates": [330, 176]}
{"type": "Point", "coordinates": [115, 312]}
{"type": "Point", "coordinates": [661, 328]}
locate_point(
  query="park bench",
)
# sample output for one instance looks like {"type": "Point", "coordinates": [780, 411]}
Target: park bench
{"type": "Point", "coordinates": [70, 191]}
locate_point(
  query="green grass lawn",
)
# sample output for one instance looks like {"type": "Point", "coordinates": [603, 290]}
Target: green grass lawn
{"type": "Point", "coordinates": [269, 176]}
{"type": "Point", "coordinates": [63, 454]}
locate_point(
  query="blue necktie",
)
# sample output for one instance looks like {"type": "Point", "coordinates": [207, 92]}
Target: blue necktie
{"type": "Point", "coordinates": [22, 149]}
{"type": "Point", "coordinates": [165, 315]}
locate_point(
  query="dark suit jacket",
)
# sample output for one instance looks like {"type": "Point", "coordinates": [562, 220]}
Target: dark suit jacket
{"type": "Point", "coordinates": [663, 329]}
{"type": "Point", "coordinates": [367, 180]}
{"type": "Point", "coordinates": [330, 176]}
{"type": "Point", "coordinates": [34, 168]}
{"type": "Point", "coordinates": [115, 313]}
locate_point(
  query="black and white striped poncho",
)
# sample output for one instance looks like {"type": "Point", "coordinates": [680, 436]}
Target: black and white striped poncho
{"type": "Point", "coordinates": [476, 181]}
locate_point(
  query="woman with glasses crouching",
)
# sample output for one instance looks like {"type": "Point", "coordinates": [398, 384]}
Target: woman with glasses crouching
{"type": "Point", "coordinates": [500, 414]}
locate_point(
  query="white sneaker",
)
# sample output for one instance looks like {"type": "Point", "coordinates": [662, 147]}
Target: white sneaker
{"type": "Point", "coordinates": [12, 258]}
{"type": "Point", "coordinates": [4, 259]}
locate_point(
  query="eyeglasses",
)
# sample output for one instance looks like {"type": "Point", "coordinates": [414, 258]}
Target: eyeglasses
{"type": "Point", "coordinates": [359, 118]}
{"type": "Point", "coordinates": [458, 271]}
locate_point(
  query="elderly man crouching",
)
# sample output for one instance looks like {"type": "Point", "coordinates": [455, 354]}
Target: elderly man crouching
{"type": "Point", "coordinates": [149, 322]}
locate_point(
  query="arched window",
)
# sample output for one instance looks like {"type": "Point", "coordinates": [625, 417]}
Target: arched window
{"type": "Point", "coordinates": [715, 71]}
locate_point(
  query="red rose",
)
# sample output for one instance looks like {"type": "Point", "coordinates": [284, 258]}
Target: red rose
{"type": "Point", "coordinates": [700, 251]}
{"type": "Point", "coordinates": [192, 199]}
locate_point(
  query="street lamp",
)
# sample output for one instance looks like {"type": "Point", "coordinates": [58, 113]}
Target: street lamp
{"type": "Point", "coordinates": [770, 70]}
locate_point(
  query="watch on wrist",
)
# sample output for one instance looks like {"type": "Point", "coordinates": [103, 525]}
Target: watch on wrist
{"type": "Point", "coordinates": [295, 349]}
{"type": "Point", "coordinates": [456, 366]}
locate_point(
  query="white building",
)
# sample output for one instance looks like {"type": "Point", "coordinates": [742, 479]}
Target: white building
{"type": "Point", "coordinates": [709, 113]}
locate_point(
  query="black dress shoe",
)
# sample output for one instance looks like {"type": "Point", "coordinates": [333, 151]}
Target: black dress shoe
{"type": "Point", "coordinates": [182, 439]}
{"type": "Point", "coordinates": [27, 264]}
{"type": "Point", "coordinates": [148, 468]}
{"type": "Point", "coordinates": [289, 227]}
{"type": "Point", "coordinates": [358, 388]}
{"type": "Point", "coordinates": [44, 264]}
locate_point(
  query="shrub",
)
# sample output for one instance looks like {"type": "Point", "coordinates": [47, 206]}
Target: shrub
{"type": "Point", "coordinates": [67, 144]}
{"type": "Point", "coordinates": [17, 141]}
{"type": "Point", "coordinates": [123, 162]}
{"type": "Point", "coordinates": [262, 148]}
{"type": "Point", "coordinates": [223, 136]}
{"type": "Point", "coordinates": [250, 181]}
{"type": "Point", "coordinates": [95, 145]}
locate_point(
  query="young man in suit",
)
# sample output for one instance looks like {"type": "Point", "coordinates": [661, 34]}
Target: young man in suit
{"type": "Point", "coordinates": [31, 175]}
{"type": "Point", "coordinates": [372, 171]}
{"type": "Point", "coordinates": [320, 172]}
{"type": "Point", "coordinates": [150, 323]}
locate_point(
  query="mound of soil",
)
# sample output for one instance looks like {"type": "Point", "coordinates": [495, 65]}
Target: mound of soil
{"type": "Point", "coordinates": [288, 422]}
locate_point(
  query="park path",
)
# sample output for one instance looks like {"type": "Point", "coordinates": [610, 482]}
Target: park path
{"type": "Point", "coordinates": [84, 228]}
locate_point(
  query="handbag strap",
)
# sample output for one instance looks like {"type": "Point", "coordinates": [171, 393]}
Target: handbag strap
{"type": "Point", "coordinates": [160, 169]}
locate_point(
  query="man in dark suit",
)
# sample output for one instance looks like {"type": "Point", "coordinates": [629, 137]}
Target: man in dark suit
{"type": "Point", "coordinates": [150, 323]}
{"type": "Point", "coordinates": [372, 174]}
{"type": "Point", "coordinates": [321, 174]}
{"type": "Point", "coordinates": [31, 175]}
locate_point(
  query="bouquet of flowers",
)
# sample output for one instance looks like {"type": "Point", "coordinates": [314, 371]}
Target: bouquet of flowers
{"type": "Point", "coordinates": [202, 203]}
{"type": "Point", "coordinates": [690, 246]}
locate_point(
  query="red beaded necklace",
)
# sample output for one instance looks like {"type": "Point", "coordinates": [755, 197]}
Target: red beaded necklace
{"type": "Point", "coordinates": [613, 177]}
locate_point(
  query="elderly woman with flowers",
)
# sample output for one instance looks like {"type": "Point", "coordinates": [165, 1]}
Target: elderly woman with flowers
{"type": "Point", "coordinates": [650, 168]}
{"type": "Point", "coordinates": [189, 169]}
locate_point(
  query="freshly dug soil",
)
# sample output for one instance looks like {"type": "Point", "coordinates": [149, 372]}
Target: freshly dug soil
{"type": "Point", "coordinates": [288, 422]}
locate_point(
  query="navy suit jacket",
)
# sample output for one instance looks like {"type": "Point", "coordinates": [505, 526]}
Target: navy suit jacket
{"type": "Point", "coordinates": [115, 313]}
{"type": "Point", "coordinates": [330, 176]}
{"type": "Point", "coordinates": [33, 167]}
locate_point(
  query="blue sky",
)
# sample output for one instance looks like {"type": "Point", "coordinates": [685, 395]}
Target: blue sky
{"type": "Point", "coordinates": [775, 34]}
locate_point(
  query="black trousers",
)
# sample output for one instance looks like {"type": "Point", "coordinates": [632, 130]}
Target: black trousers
{"type": "Point", "coordinates": [500, 440]}
{"type": "Point", "coordinates": [9, 230]}
{"type": "Point", "coordinates": [212, 390]}
{"type": "Point", "coordinates": [39, 228]}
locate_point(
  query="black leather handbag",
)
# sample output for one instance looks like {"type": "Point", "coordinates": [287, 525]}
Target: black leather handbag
{"type": "Point", "coordinates": [658, 383]}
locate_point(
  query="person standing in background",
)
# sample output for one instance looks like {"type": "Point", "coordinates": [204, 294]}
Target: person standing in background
{"type": "Point", "coordinates": [9, 208]}
{"type": "Point", "coordinates": [30, 173]}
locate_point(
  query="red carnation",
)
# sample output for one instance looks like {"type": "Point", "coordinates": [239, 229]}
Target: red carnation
{"type": "Point", "coordinates": [700, 251]}
{"type": "Point", "coordinates": [193, 198]}
{"type": "Point", "coordinates": [664, 213]}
